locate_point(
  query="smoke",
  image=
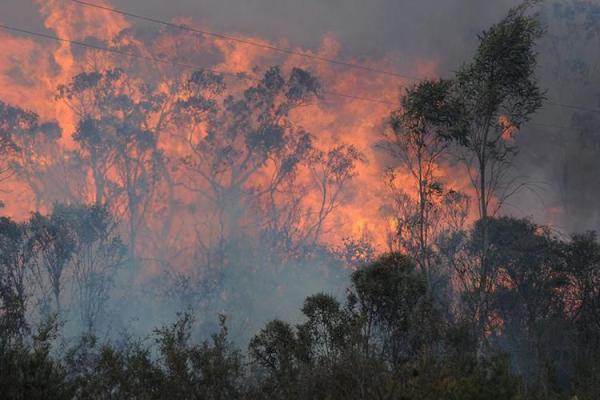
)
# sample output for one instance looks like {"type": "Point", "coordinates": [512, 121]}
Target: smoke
{"type": "Point", "coordinates": [558, 149]}
{"type": "Point", "coordinates": [425, 38]}
{"type": "Point", "coordinates": [430, 29]}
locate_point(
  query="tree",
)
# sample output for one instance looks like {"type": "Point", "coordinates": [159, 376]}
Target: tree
{"type": "Point", "coordinates": [582, 257]}
{"type": "Point", "coordinates": [275, 348]}
{"type": "Point", "coordinates": [13, 122]}
{"type": "Point", "coordinates": [104, 370]}
{"type": "Point", "coordinates": [498, 92]}
{"type": "Point", "coordinates": [98, 254]}
{"type": "Point", "coordinates": [23, 140]}
{"type": "Point", "coordinates": [211, 370]}
{"type": "Point", "coordinates": [387, 341]}
{"type": "Point", "coordinates": [46, 166]}
{"type": "Point", "coordinates": [245, 152]}
{"type": "Point", "coordinates": [31, 371]}
{"type": "Point", "coordinates": [331, 171]}
{"type": "Point", "coordinates": [119, 118]}
{"type": "Point", "coordinates": [526, 304]}
{"type": "Point", "coordinates": [582, 303]}
{"type": "Point", "coordinates": [400, 318]}
{"type": "Point", "coordinates": [324, 333]}
{"type": "Point", "coordinates": [32, 152]}
{"type": "Point", "coordinates": [421, 134]}
{"type": "Point", "coordinates": [242, 137]}
{"type": "Point", "coordinates": [17, 259]}
{"type": "Point", "coordinates": [55, 242]}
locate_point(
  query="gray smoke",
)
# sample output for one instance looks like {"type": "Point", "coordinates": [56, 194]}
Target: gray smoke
{"type": "Point", "coordinates": [559, 151]}
{"type": "Point", "coordinates": [444, 30]}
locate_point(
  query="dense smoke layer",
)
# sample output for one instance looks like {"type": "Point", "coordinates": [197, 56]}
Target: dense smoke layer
{"type": "Point", "coordinates": [426, 29]}
{"type": "Point", "coordinates": [174, 232]}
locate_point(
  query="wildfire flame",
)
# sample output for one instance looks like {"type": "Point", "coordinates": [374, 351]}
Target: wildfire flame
{"type": "Point", "coordinates": [32, 69]}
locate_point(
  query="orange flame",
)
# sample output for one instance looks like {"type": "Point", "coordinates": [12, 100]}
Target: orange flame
{"type": "Point", "coordinates": [31, 70]}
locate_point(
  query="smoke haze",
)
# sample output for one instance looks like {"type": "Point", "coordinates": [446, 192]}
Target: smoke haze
{"type": "Point", "coordinates": [557, 158]}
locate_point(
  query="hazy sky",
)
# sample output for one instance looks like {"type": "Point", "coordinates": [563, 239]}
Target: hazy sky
{"type": "Point", "coordinates": [439, 29]}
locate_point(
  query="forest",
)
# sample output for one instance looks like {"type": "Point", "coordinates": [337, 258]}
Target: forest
{"type": "Point", "coordinates": [183, 217]}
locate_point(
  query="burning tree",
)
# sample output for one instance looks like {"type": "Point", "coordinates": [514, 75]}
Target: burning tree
{"type": "Point", "coordinates": [32, 153]}
{"type": "Point", "coordinates": [422, 132]}
{"type": "Point", "coordinates": [13, 121]}
{"type": "Point", "coordinates": [118, 121]}
{"type": "Point", "coordinates": [245, 155]}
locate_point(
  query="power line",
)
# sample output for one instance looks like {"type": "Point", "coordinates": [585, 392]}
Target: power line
{"type": "Point", "coordinates": [573, 107]}
{"type": "Point", "coordinates": [177, 64]}
{"type": "Point", "coordinates": [289, 51]}
{"type": "Point", "coordinates": [542, 125]}
{"type": "Point", "coordinates": [197, 67]}
{"type": "Point", "coordinates": [107, 49]}
{"type": "Point", "coordinates": [246, 42]}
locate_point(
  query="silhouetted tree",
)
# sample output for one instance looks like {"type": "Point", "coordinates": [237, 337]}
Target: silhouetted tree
{"type": "Point", "coordinates": [55, 242]}
{"type": "Point", "coordinates": [97, 256]}
{"type": "Point", "coordinates": [117, 137]}
{"type": "Point", "coordinates": [421, 134]}
{"type": "Point", "coordinates": [527, 302]}
{"type": "Point", "coordinates": [499, 92]}
{"type": "Point", "coordinates": [17, 259]}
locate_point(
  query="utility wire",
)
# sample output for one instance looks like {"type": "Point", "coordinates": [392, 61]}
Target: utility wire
{"type": "Point", "coordinates": [542, 125]}
{"type": "Point", "coordinates": [573, 107]}
{"type": "Point", "coordinates": [107, 49]}
{"type": "Point", "coordinates": [177, 64]}
{"type": "Point", "coordinates": [245, 41]}
{"type": "Point", "coordinates": [197, 67]}
{"type": "Point", "coordinates": [287, 51]}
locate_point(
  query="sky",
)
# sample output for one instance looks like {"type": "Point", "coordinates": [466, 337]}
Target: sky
{"type": "Point", "coordinates": [444, 30]}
